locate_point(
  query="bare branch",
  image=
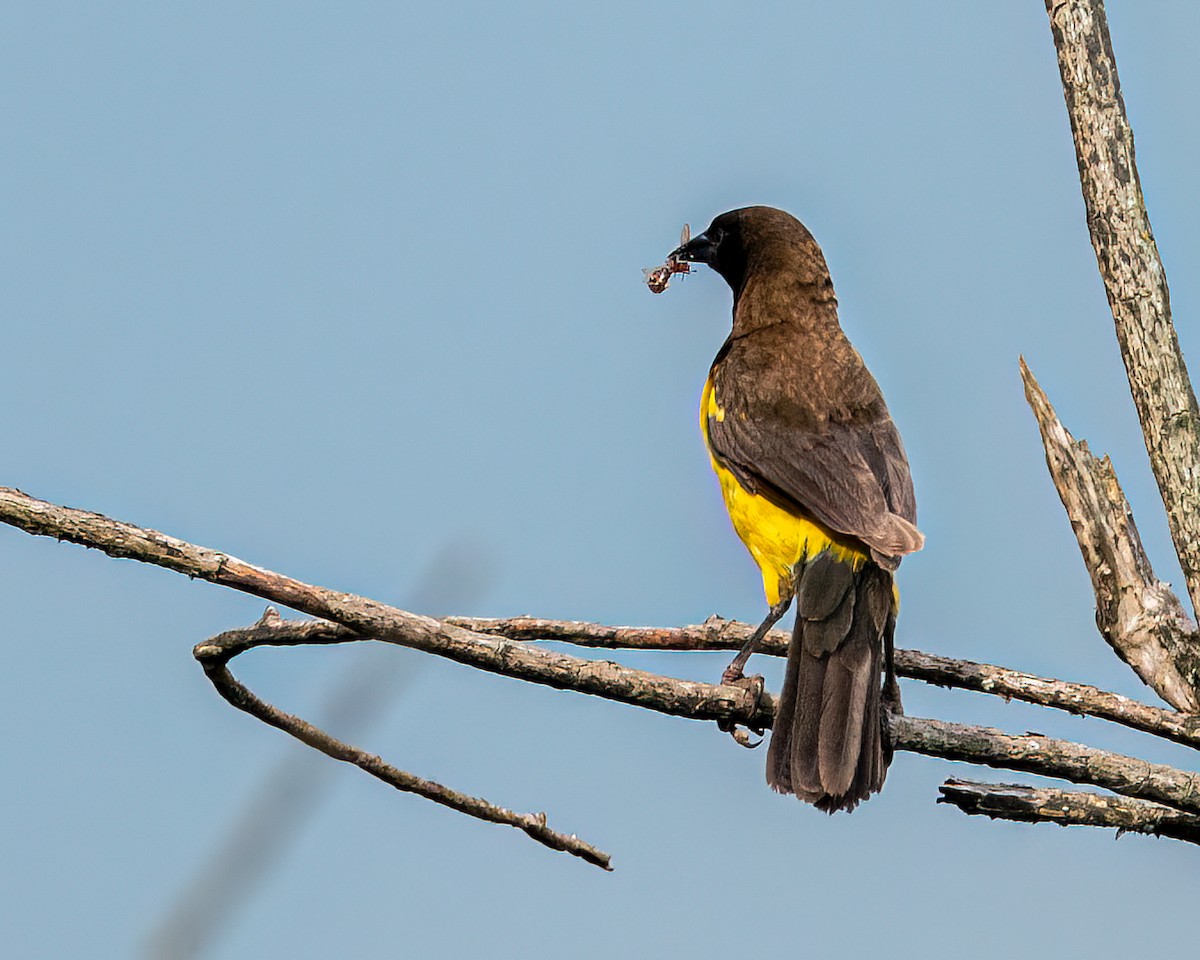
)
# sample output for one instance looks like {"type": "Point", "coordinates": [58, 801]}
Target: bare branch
{"type": "Point", "coordinates": [361, 618]}
{"type": "Point", "coordinates": [1032, 753]}
{"type": "Point", "coordinates": [651, 691]}
{"type": "Point", "coordinates": [369, 618]}
{"type": "Point", "coordinates": [1131, 268]}
{"type": "Point", "coordinates": [1025, 804]}
{"type": "Point", "coordinates": [1140, 617]}
{"type": "Point", "coordinates": [1077, 698]}
{"type": "Point", "coordinates": [1047, 757]}
{"type": "Point", "coordinates": [214, 655]}
{"type": "Point", "coordinates": [718, 634]}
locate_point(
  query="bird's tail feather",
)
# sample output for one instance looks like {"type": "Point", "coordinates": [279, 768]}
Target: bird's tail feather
{"type": "Point", "coordinates": [827, 742]}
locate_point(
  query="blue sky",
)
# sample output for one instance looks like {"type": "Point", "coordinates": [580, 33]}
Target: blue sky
{"type": "Point", "coordinates": [341, 288]}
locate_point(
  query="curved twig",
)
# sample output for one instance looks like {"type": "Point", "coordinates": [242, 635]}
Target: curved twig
{"type": "Point", "coordinates": [214, 655]}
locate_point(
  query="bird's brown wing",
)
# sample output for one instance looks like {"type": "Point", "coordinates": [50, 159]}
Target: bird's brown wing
{"type": "Point", "coordinates": [851, 477]}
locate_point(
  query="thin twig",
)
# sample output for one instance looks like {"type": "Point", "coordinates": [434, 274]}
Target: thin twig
{"type": "Point", "coordinates": [1026, 804]}
{"type": "Point", "coordinates": [1131, 268]}
{"type": "Point", "coordinates": [215, 654]}
{"type": "Point", "coordinates": [718, 634]}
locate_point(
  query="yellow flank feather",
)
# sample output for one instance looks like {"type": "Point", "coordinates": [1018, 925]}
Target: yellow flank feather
{"type": "Point", "coordinates": [776, 539]}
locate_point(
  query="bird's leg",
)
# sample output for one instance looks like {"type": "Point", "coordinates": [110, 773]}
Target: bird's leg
{"type": "Point", "coordinates": [733, 672]}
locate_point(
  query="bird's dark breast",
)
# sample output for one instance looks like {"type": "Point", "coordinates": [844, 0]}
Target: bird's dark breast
{"type": "Point", "coordinates": [791, 378]}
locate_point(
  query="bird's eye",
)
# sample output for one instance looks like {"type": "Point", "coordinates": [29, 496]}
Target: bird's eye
{"type": "Point", "coordinates": [715, 235]}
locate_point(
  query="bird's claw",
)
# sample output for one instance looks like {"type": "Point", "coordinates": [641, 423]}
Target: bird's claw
{"type": "Point", "coordinates": [733, 675]}
{"type": "Point", "coordinates": [754, 686]}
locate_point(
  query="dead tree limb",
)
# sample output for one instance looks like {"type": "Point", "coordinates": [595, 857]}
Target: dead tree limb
{"type": "Point", "coordinates": [651, 691]}
{"type": "Point", "coordinates": [357, 618]}
{"type": "Point", "coordinates": [1139, 615]}
{"type": "Point", "coordinates": [1131, 268]}
{"type": "Point", "coordinates": [717, 634]}
{"type": "Point", "coordinates": [1029, 752]}
{"type": "Point", "coordinates": [1024, 804]}
{"type": "Point", "coordinates": [1048, 757]}
{"type": "Point", "coordinates": [694, 700]}
{"type": "Point", "coordinates": [370, 618]}
{"type": "Point", "coordinates": [215, 654]}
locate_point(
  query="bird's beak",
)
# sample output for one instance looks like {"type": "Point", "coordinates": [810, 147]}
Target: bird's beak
{"type": "Point", "coordinates": [697, 250]}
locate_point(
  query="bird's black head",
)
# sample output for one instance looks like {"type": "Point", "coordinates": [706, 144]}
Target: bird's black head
{"type": "Point", "coordinates": [750, 238]}
{"type": "Point", "coordinates": [719, 247]}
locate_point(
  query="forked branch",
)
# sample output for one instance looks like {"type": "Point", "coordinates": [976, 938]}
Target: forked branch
{"type": "Point", "coordinates": [357, 618]}
{"type": "Point", "coordinates": [1131, 268]}
{"type": "Point", "coordinates": [215, 654]}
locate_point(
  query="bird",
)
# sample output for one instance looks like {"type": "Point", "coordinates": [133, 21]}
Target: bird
{"type": "Point", "coordinates": [817, 485]}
